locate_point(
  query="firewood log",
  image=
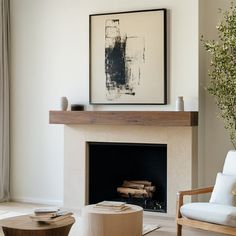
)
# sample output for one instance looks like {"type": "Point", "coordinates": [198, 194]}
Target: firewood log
{"type": "Point", "coordinates": [133, 195]}
{"type": "Point", "coordinates": [137, 195]}
{"type": "Point", "coordinates": [145, 182]}
{"type": "Point", "coordinates": [132, 191]}
{"type": "Point", "coordinates": [150, 188]}
{"type": "Point", "coordinates": [128, 184]}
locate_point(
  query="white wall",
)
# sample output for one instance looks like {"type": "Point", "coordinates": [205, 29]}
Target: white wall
{"type": "Point", "coordinates": [50, 59]}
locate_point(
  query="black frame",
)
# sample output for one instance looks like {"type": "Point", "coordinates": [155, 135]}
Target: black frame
{"type": "Point", "coordinates": [164, 59]}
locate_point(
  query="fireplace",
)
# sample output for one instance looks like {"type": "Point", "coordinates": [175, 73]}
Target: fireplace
{"type": "Point", "coordinates": [178, 130]}
{"type": "Point", "coordinates": [181, 145]}
{"type": "Point", "coordinates": [110, 164]}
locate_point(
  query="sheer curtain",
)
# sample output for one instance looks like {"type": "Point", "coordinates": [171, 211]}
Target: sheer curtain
{"type": "Point", "coordinates": [4, 98]}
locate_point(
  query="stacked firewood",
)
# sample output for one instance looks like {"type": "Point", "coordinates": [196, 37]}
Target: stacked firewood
{"type": "Point", "coordinates": [136, 189]}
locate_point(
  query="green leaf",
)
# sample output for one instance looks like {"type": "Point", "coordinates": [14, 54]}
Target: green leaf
{"type": "Point", "coordinates": [222, 73]}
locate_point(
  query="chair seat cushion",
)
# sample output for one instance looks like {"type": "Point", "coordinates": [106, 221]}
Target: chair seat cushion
{"type": "Point", "coordinates": [210, 212]}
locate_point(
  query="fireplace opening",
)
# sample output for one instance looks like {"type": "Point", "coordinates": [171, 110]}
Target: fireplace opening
{"type": "Point", "coordinates": [135, 173]}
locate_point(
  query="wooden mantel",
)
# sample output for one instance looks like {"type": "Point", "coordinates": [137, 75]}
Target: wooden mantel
{"type": "Point", "coordinates": [157, 118]}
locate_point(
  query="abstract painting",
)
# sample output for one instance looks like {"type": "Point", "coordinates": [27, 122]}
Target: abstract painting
{"type": "Point", "coordinates": [128, 57]}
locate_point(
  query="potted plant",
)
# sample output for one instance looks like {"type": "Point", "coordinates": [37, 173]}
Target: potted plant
{"type": "Point", "coordinates": [222, 74]}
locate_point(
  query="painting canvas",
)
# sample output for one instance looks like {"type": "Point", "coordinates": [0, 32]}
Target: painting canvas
{"type": "Point", "coordinates": [128, 57]}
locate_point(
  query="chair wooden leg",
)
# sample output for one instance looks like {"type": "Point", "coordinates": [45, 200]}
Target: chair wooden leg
{"type": "Point", "coordinates": [179, 230]}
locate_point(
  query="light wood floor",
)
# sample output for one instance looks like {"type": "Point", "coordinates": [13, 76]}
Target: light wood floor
{"type": "Point", "coordinates": [167, 225]}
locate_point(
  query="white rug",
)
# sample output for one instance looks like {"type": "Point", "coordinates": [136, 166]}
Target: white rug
{"type": "Point", "coordinates": [148, 228]}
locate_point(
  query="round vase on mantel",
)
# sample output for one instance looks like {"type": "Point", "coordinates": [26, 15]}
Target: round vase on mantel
{"type": "Point", "coordinates": [64, 103]}
{"type": "Point", "coordinates": [179, 105]}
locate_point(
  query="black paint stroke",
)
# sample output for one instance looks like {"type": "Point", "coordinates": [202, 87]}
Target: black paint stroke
{"type": "Point", "coordinates": [122, 69]}
{"type": "Point", "coordinates": [115, 62]}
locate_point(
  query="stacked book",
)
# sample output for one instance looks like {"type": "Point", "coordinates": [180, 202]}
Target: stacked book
{"type": "Point", "coordinates": [49, 214]}
{"type": "Point", "coordinates": [112, 206]}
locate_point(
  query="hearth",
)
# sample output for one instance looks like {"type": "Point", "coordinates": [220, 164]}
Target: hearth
{"type": "Point", "coordinates": [110, 164]}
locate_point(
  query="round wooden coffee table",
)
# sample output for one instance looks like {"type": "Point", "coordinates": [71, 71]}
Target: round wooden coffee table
{"type": "Point", "coordinates": [97, 222]}
{"type": "Point", "coordinates": [25, 226]}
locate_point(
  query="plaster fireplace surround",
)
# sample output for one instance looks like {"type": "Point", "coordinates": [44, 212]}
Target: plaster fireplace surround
{"type": "Point", "coordinates": [180, 138]}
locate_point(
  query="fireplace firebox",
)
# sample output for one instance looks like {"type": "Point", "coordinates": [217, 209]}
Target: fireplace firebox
{"type": "Point", "coordinates": [110, 164]}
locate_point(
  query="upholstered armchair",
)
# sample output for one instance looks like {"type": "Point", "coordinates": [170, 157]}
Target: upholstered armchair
{"type": "Point", "coordinates": [217, 215]}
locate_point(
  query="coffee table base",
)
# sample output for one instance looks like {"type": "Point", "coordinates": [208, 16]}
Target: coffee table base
{"type": "Point", "coordinates": [24, 226]}
{"type": "Point", "coordinates": [63, 231]}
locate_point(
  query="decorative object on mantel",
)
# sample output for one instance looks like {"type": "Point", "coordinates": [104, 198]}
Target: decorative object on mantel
{"type": "Point", "coordinates": [64, 103]}
{"type": "Point", "coordinates": [128, 57]}
{"type": "Point", "coordinates": [77, 107]}
{"type": "Point", "coordinates": [179, 104]}
{"type": "Point", "coordinates": [223, 70]}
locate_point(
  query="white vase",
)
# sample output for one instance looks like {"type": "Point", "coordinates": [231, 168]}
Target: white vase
{"type": "Point", "coordinates": [64, 103]}
{"type": "Point", "coordinates": [179, 105]}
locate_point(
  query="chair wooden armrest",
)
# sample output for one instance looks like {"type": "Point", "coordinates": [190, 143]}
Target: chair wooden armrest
{"type": "Point", "coordinates": [181, 194]}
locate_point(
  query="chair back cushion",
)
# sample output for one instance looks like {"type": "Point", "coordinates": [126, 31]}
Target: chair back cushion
{"type": "Point", "coordinates": [230, 163]}
{"type": "Point", "coordinates": [223, 190]}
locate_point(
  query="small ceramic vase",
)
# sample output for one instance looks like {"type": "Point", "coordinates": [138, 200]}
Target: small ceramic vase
{"type": "Point", "coordinates": [64, 103]}
{"type": "Point", "coordinates": [179, 105]}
